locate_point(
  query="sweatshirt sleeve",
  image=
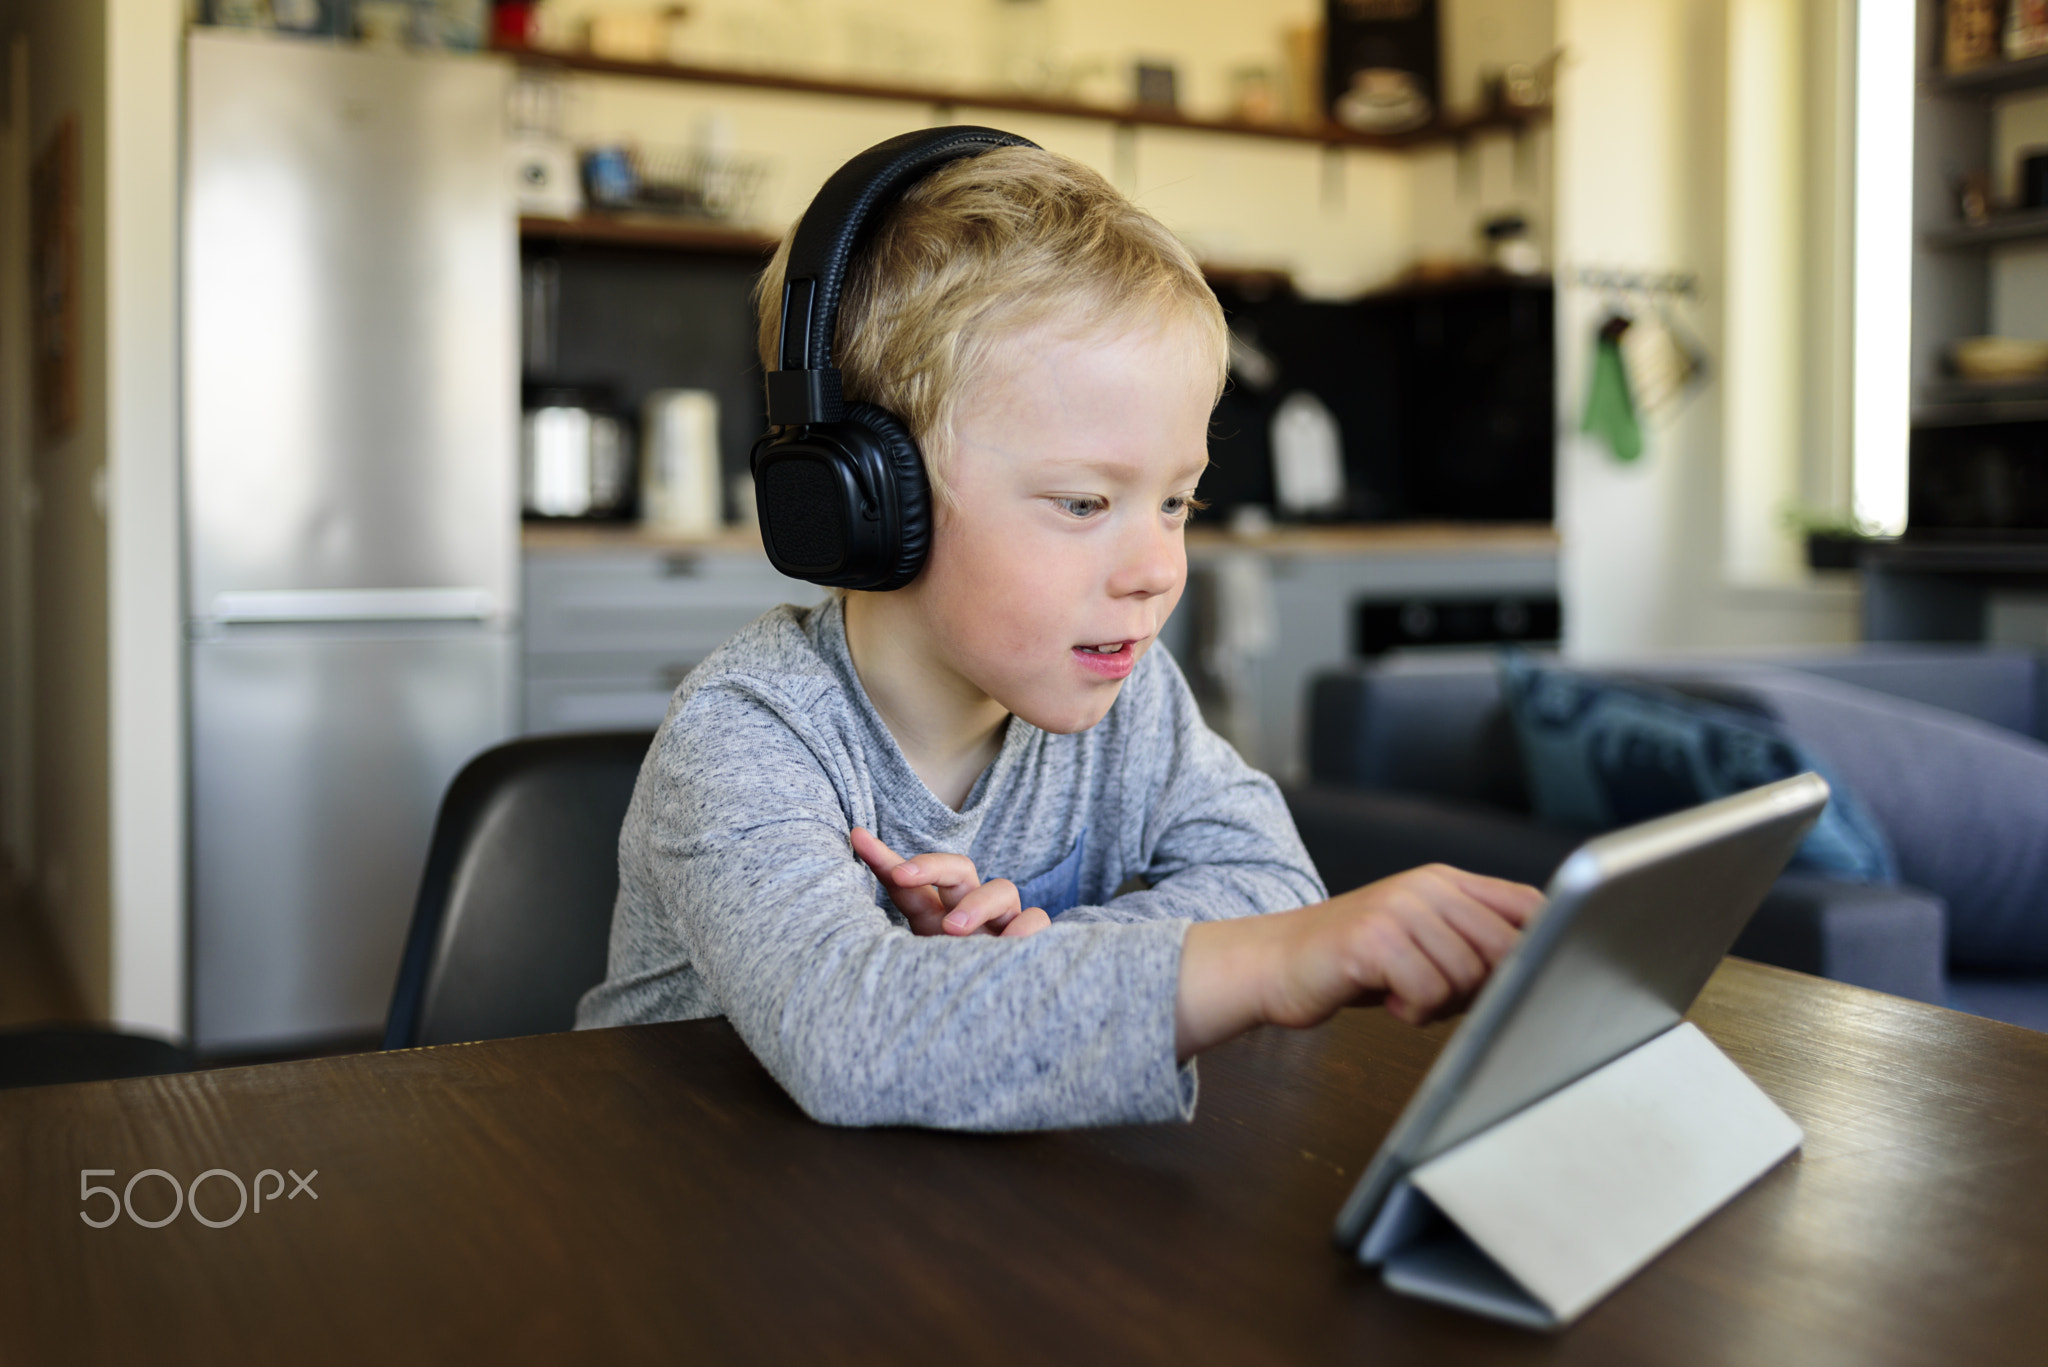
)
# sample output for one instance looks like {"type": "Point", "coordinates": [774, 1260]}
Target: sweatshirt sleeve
{"type": "Point", "coordinates": [745, 841]}
{"type": "Point", "coordinates": [1216, 840]}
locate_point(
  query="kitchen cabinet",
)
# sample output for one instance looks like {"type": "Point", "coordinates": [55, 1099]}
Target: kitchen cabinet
{"type": "Point", "coordinates": [615, 619]}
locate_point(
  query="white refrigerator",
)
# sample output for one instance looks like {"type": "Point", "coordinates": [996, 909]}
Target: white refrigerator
{"type": "Point", "coordinates": [351, 507]}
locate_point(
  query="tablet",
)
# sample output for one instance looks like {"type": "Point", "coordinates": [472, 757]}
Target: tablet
{"type": "Point", "coordinates": [1636, 923]}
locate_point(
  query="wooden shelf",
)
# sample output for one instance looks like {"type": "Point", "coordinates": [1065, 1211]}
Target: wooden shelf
{"type": "Point", "coordinates": [1971, 403]}
{"type": "Point", "coordinates": [2014, 227]}
{"type": "Point", "coordinates": [574, 538]}
{"type": "Point", "coordinates": [1981, 413]}
{"type": "Point", "coordinates": [672, 234]}
{"type": "Point", "coordinates": [713, 239]}
{"type": "Point", "coordinates": [1382, 538]}
{"type": "Point", "coordinates": [1957, 390]}
{"type": "Point", "coordinates": [1456, 128]}
{"type": "Point", "coordinates": [2002, 552]}
{"type": "Point", "coordinates": [1993, 78]}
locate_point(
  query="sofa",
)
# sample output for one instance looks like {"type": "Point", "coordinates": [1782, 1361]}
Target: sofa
{"type": "Point", "coordinates": [1415, 760]}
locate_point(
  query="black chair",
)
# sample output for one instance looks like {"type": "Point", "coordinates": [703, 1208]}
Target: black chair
{"type": "Point", "coordinates": [515, 909]}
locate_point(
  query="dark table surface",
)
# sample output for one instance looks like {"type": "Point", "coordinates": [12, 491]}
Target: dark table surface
{"type": "Point", "coordinates": [650, 1194]}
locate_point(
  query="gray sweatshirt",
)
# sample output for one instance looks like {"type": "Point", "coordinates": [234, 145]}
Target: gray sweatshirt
{"type": "Point", "coordinates": [740, 895]}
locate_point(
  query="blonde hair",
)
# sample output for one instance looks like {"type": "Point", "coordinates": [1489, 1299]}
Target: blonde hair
{"type": "Point", "coordinates": [980, 250]}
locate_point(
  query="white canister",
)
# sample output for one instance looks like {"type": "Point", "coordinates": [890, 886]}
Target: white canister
{"type": "Point", "coordinates": [680, 467]}
{"type": "Point", "coordinates": [1308, 456]}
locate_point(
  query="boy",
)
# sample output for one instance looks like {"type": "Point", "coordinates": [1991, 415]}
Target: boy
{"type": "Point", "coordinates": [1056, 353]}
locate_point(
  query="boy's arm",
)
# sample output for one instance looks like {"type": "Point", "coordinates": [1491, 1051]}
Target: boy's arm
{"type": "Point", "coordinates": [1422, 943]}
{"type": "Point", "coordinates": [1221, 848]}
{"type": "Point", "coordinates": [744, 838]}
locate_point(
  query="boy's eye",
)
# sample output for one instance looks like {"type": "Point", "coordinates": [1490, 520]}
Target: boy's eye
{"type": "Point", "coordinates": [1080, 507]}
{"type": "Point", "coordinates": [1181, 507]}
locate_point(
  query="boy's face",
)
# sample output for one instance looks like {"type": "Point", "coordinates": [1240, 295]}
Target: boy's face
{"type": "Point", "coordinates": [1061, 556]}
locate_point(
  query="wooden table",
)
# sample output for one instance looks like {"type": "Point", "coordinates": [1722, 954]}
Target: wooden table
{"type": "Point", "coordinates": [650, 1194]}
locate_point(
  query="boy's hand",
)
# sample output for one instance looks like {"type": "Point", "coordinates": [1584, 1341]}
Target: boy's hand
{"type": "Point", "coordinates": [940, 894]}
{"type": "Point", "coordinates": [1422, 942]}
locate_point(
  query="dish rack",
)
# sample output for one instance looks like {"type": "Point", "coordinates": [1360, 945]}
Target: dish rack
{"type": "Point", "coordinates": [682, 182]}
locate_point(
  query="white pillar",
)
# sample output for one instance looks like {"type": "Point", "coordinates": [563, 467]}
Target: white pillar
{"type": "Point", "coordinates": [146, 725]}
{"type": "Point", "coordinates": [1882, 404]}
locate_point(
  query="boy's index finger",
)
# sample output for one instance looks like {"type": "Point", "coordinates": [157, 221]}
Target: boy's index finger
{"type": "Point", "coordinates": [942, 878]}
{"type": "Point", "coordinates": [868, 847]}
{"type": "Point", "coordinates": [921, 905]}
{"type": "Point", "coordinates": [1514, 902]}
{"type": "Point", "coordinates": [951, 872]}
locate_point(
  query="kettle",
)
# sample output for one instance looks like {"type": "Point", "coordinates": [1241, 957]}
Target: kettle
{"type": "Point", "coordinates": [575, 459]}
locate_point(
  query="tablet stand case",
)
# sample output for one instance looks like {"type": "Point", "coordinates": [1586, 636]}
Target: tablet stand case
{"type": "Point", "coordinates": [1535, 1219]}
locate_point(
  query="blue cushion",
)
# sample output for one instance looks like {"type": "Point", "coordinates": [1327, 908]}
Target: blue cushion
{"type": "Point", "coordinates": [1601, 754]}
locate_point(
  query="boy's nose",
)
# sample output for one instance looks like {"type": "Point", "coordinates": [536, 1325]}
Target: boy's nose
{"type": "Point", "coordinates": [1153, 562]}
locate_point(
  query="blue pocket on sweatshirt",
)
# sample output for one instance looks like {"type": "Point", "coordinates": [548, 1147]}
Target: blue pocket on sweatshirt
{"type": "Point", "coordinates": [1059, 887]}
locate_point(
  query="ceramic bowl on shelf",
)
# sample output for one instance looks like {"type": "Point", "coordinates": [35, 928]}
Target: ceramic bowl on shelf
{"type": "Point", "coordinates": [1999, 358]}
{"type": "Point", "coordinates": [1383, 100]}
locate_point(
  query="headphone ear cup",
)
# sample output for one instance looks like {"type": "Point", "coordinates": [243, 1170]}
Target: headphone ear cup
{"type": "Point", "coordinates": [910, 486]}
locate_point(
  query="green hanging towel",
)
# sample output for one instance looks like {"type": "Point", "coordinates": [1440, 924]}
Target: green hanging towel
{"type": "Point", "coordinates": [1610, 409]}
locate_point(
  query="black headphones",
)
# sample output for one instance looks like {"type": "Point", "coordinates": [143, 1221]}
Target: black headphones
{"type": "Point", "coordinates": [841, 488]}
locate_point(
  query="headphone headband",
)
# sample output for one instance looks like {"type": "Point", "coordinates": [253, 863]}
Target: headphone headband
{"type": "Point", "coordinates": [805, 387]}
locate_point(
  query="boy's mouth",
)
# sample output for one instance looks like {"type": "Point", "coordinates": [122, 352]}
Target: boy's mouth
{"type": "Point", "coordinates": [1109, 659]}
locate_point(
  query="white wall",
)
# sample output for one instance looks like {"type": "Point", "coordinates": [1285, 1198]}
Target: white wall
{"type": "Point", "coordinates": [954, 42]}
{"type": "Point", "coordinates": [104, 770]}
{"type": "Point", "coordinates": [1656, 171]}
{"type": "Point", "coordinates": [1457, 186]}
{"type": "Point", "coordinates": [1339, 220]}
{"type": "Point", "coordinates": [1094, 41]}
{"type": "Point", "coordinates": [1762, 332]}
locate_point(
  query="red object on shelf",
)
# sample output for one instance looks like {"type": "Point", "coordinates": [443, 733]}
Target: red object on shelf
{"type": "Point", "coordinates": [514, 23]}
